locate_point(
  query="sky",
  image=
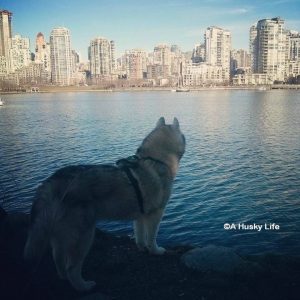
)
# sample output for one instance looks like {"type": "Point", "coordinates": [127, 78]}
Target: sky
{"type": "Point", "coordinates": [144, 24]}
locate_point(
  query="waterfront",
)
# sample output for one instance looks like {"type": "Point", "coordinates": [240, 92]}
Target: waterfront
{"type": "Point", "coordinates": [242, 163]}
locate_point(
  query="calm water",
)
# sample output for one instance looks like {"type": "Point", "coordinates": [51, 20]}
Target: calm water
{"type": "Point", "coordinates": [242, 162]}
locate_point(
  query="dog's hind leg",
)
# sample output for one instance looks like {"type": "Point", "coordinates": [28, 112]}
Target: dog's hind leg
{"type": "Point", "coordinates": [59, 258]}
{"type": "Point", "coordinates": [75, 258]}
{"type": "Point", "coordinates": [152, 222]}
{"type": "Point", "coordinates": [140, 233]}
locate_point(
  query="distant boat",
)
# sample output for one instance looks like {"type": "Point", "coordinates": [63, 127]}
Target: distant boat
{"type": "Point", "coordinates": [1, 102]}
{"type": "Point", "coordinates": [262, 88]}
{"type": "Point", "coordinates": [181, 89]}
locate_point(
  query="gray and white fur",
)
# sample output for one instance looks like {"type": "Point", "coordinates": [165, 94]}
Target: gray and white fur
{"type": "Point", "coordinates": [68, 204]}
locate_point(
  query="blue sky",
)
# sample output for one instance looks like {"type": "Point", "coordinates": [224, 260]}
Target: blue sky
{"type": "Point", "coordinates": [144, 24]}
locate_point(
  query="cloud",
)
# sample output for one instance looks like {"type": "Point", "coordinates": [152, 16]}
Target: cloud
{"type": "Point", "coordinates": [238, 11]}
{"type": "Point", "coordinates": [221, 11]}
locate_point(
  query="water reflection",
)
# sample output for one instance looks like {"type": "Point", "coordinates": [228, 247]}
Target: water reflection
{"type": "Point", "coordinates": [242, 162]}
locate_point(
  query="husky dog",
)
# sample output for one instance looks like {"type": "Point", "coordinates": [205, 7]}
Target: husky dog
{"type": "Point", "coordinates": [68, 204]}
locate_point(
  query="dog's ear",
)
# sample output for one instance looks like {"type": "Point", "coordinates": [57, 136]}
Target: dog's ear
{"type": "Point", "coordinates": [175, 123]}
{"type": "Point", "coordinates": [160, 122]}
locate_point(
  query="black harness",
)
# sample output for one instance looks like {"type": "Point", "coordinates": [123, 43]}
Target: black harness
{"type": "Point", "coordinates": [132, 162]}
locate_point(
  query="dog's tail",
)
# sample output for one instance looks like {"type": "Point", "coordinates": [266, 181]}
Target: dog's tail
{"type": "Point", "coordinates": [35, 245]}
{"type": "Point", "coordinates": [38, 235]}
{"type": "Point", "coordinates": [44, 216]}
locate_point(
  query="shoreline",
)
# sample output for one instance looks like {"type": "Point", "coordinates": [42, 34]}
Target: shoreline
{"type": "Point", "coordinates": [122, 272]}
{"type": "Point", "coordinates": [72, 89]}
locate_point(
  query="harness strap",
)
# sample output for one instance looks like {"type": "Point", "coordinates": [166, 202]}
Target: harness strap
{"type": "Point", "coordinates": [136, 187]}
{"type": "Point", "coordinates": [132, 162]}
{"type": "Point", "coordinates": [126, 164]}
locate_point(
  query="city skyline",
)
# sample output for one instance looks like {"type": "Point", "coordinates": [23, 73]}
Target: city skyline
{"type": "Point", "coordinates": [133, 24]}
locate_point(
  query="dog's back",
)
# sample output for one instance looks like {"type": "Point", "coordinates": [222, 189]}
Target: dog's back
{"type": "Point", "coordinates": [73, 198]}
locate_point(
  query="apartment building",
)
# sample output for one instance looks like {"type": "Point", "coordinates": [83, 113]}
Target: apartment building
{"type": "Point", "coordinates": [136, 64]}
{"type": "Point", "coordinates": [5, 32]}
{"type": "Point", "coordinates": [60, 56]}
{"type": "Point", "coordinates": [19, 53]}
{"type": "Point", "coordinates": [217, 48]}
{"type": "Point", "coordinates": [102, 58]}
{"type": "Point", "coordinates": [203, 73]}
{"type": "Point", "coordinates": [162, 56]}
{"type": "Point", "coordinates": [5, 35]}
{"type": "Point", "coordinates": [268, 45]}
{"type": "Point", "coordinates": [239, 59]}
{"type": "Point", "coordinates": [42, 53]}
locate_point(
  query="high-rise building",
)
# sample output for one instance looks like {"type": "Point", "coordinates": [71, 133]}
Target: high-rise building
{"type": "Point", "coordinates": [113, 55]}
{"type": "Point", "coordinates": [19, 53]}
{"type": "Point", "coordinates": [155, 71]}
{"type": "Point", "coordinates": [42, 53]}
{"type": "Point", "coordinates": [217, 47]}
{"type": "Point", "coordinates": [102, 58]}
{"type": "Point", "coordinates": [176, 60]}
{"type": "Point", "coordinates": [5, 31]}
{"type": "Point", "coordinates": [292, 69]}
{"type": "Point", "coordinates": [253, 47]}
{"type": "Point", "coordinates": [162, 56]}
{"type": "Point", "coordinates": [75, 61]}
{"type": "Point", "coordinates": [240, 59]}
{"type": "Point", "coordinates": [5, 35]}
{"type": "Point", "coordinates": [60, 56]}
{"type": "Point", "coordinates": [269, 48]}
{"type": "Point", "coordinates": [136, 64]}
{"type": "Point", "coordinates": [198, 54]}
{"type": "Point", "coordinates": [293, 45]}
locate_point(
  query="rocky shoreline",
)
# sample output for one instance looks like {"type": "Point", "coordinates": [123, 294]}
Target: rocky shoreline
{"type": "Point", "coordinates": [122, 272]}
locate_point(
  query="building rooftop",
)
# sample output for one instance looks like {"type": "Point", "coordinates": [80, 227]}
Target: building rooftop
{"type": "Point", "coordinates": [6, 12]}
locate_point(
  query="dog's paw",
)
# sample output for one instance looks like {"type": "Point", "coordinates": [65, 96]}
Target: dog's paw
{"type": "Point", "coordinates": [157, 250]}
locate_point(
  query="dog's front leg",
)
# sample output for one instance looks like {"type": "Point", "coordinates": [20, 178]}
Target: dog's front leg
{"type": "Point", "coordinates": [140, 233]}
{"type": "Point", "coordinates": [152, 222]}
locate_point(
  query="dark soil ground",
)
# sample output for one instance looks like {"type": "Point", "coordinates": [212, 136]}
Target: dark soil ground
{"type": "Point", "coordinates": [122, 272]}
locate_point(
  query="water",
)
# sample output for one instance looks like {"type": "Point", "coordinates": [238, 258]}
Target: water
{"type": "Point", "coordinates": [242, 161]}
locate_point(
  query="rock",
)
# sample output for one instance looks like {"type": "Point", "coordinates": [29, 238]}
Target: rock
{"type": "Point", "coordinates": [214, 259]}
